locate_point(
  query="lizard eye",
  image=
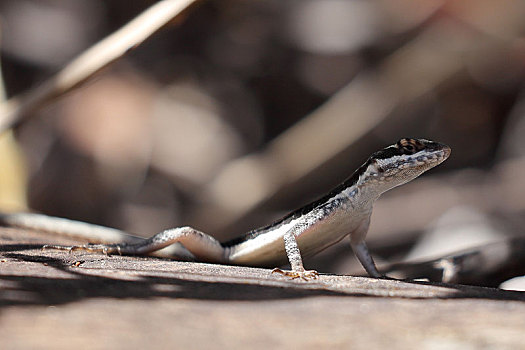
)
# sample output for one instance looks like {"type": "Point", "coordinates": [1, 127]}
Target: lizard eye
{"type": "Point", "coordinates": [408, 148]}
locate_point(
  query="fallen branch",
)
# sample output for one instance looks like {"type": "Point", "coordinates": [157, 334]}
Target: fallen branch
{"type": "Point", "coordinates": [487, 265]}
{"type": "Point", "coordinates": [92, 60]}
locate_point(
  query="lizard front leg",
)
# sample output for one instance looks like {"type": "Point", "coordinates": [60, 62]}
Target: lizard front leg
{"type": "Point", "coordinates": [201, 245]}
{"type": "Point", "coordinates": [361, 251]}
{"type": "Point", "coordinates": [357, 241]}
{"type": "Point", "coordinates": [294, 255]}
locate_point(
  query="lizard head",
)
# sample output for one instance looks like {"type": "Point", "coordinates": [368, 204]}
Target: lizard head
{"type": "Point", "coordinates": [404, 161]}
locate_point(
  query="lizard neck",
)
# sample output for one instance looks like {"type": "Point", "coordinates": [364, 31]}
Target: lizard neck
{"type": "Point", "coordinates": [374, 181]}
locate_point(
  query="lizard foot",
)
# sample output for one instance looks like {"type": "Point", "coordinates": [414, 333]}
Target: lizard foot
{"type": "Point", "coordinates": [305, 275]}
{"type": "Point", "coordinates": [100, 248]}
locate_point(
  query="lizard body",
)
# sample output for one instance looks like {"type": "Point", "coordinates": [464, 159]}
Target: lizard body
{"type": "Point", "coordinates": [345, 211]}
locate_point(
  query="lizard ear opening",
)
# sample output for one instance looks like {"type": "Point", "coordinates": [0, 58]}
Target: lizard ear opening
{"type": "Point", "coordinates": [377, 166]}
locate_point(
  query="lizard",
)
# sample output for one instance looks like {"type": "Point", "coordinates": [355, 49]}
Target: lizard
{"type": "Point", "coordinates": [344, 211]}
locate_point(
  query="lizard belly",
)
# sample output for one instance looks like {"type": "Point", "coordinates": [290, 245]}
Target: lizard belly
{"type": "Point", "coordinates": [268, 249]}
{"type": "Point", "coordinates": [326, 232]}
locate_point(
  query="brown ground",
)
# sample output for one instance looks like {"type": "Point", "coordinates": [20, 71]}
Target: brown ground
{"type": "Point", "coordinates": [53, 299]}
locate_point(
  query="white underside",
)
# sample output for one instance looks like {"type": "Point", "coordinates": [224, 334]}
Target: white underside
{"type": "Point", "coordinates": [268, 249]}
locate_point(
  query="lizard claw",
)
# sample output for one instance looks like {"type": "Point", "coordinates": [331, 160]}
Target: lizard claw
{"type": "Point", "coordinates": [305, 275]}
{"type": "Point", "coordinates": [57, 247]}
{"type": "Point", "coordinates": [106, 249]}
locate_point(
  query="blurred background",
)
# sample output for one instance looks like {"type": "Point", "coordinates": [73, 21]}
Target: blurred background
{"type": "Point", "coordinates": [239, 111]}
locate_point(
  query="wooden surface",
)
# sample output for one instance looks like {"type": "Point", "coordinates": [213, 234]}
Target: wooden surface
{"type": "Point", "coordinates": [58, 300]}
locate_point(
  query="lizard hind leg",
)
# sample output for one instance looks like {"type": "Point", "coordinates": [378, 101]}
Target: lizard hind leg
{"type": "Point", "coordinates": [201, 245]}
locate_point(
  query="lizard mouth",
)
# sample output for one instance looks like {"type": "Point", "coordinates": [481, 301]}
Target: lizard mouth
{"type": "Point", "coordinates": [443, 153]}
{"type": "Point", "coordinates": [446, 151]}
{"type": "Point", "coordinates": [439, 153]}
